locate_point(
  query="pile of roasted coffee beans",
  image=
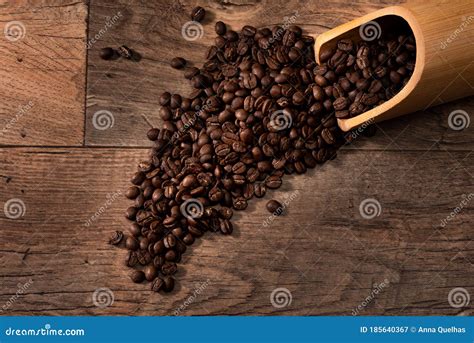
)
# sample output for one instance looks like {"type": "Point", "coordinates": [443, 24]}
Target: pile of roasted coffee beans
{"type": "Point", "coordinates": [261, 108]}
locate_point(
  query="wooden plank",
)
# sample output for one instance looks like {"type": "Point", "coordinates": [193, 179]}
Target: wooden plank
{"type": "Point", "coordinates": [323, 251]}
{"type": "Point", "coordinates": [130, 90]}
{"type": "Point", "coordinates": [43, 72]}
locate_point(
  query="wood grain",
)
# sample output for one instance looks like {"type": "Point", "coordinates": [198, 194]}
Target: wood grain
{"type": "Point", "coordinates": [322, 251]}
{"type": "Point", "coordinates": [328, 256]}
{"type": "Point", "coordinates": [131, 90]}
{"type": "Point", "coordinates": [43, 72]}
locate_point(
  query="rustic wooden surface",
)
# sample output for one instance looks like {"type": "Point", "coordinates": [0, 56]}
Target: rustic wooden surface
{"type": "Point", "coordinates": [327, 256]}
{"type": "Point", "coordinates": [44, 71]}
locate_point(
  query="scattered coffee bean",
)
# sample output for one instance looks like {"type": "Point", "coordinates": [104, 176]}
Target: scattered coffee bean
{"type": "Point", "coordinates": [150, 272]}
{"type": "Point", "coordinates": [168, 284]}
{"type": "Point", "coordinates": [137, 276]}
{"type": "Point", "coordinates": [198, 14]}
{"type": "Point", "coordinates": [107, 53]}
{"type": "Point", "coordinates": [116, 238]}
{"type": "Point", "coordinates": [153, 134]}
{"type": "Point", "coordinates": [220, 28]}
{"type": "Point", "coordinates": [125, 52]}
{"type": "Point", "coordinates": [178, 63]}
{"type": "Point", "coordinates": [157, 285]}
{"type": "Point", "coordinates": [274, 207]}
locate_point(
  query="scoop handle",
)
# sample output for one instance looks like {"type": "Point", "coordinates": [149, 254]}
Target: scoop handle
{"type": "Point", "coordinates": [444, 69]}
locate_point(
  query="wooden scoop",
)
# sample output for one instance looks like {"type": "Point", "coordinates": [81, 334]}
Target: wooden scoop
{"type": "Point", "coordinates": [444, 69]}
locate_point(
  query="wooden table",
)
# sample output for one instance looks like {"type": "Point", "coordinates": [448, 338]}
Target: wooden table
{"type": "Point", "coordinates": [323, 252]}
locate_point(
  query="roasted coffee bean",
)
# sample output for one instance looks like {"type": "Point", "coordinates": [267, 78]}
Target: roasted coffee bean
{"type": "Point", "coordinates": [171, 255]}
{"type": "Point", "coordinates": [274, 207]}
{"type": "Point", "coordinates": [260, 190]}
{"type": "Point", "coordinates": [178, 63]}
{"type": "Point", "coordinates": [225, 226]}
{"type": "Point", "coordinates": [198, 13]}
{"type": "Point", "coordinates": [157, 285]}
{"type": "Point", "coordinates": [135, 229]}
{"type": "Point", "coordinates": [273, 182]}
{"type": "Point", "coordinates": [190, 72]}
{"type": "Point", "coordinates": [131, 259]}
{"type": "Point", "coordinates": [153, 133]}
{"type": "Point", "coordinates": [131, 243]}
{"type": "Point", "coordinates": [158, 261]}
{"type": "Point", "coordinates": [261, 108]}
{"type": "Point", "coordinates": [132, 192]}
{"type": "Point", "coordinates": [107, 53]}
{"type": "Point", "coordinates": [188, 239]}
{"type": "Point", "coordinates": [240, 203]}
{"type": "Point", "coordinates": [220, 28]}
{"type": "Point", "coordinates": [169, 268]}
{"type": "Point", "coordinates": [169, 241]}
{"type": "Point", "coordinates": [168, 284]}
{"type": "Point", "coordinates": [116, 238]}
{"type": "Point", "coordinates": [137, 276]}
{"type": "Point", "coordinates": [225, 212]}
{"type": "Point", "coordinates": [125, 52]}
{"type": "Point", "coordinates": [150, 272]}
{"type": "Point", "coordinates": [138, 178]}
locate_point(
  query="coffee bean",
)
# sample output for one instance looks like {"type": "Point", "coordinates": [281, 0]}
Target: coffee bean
{"type": "Point", "coordinates": [178, 63]}
{"type": "Point", "coordinates": [135, 229]}
{"type": "Point", "coordinates": [260, 190]}
{"type": "Point", "coordinates": [137, 276]}
{"type": "Point", "coordinates": [198, 13]}
{"type": "Point", "coordinates": [131, 213]}
{"type": "Point", "coordinates": [220, 28]}
{"type": "Point", "coordinates": [225, 212]}
{"type": "Point", "coordinates": [273, 182]}
{"type": "Point", "coordinates": [150, 272]}
{"type": "Point", "coordinates": [107, 53]}
{"type": "Point", "coordinates": [153, 133]}
{"type": "Point", "coordinates": [168, 284]}
{"type": "Point", "coordinates": [116, 238]}
{"type": "Point", "coordinates": [125, 52]}
{"type": "Point", "coordinates": [169, 268]}
{"type": "Point", "coordinates": [274, 207]}
{"type": "Point", "coordinates": [261, 108]}
{"type": "Point", "coordinates": [189, 73]}
{"type": "Point", "coordinates": [225, 227]}
{"type": "Point", "coordinates": [157, 285]}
